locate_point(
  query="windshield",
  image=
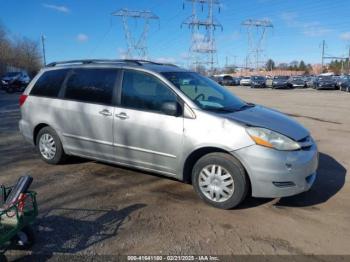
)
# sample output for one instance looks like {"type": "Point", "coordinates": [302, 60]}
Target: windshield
{"type": "Point", "coordinates": [205, 93]}
{"type": "Point", "coordinates": [325, 78]}
{"type": "Point", "coordinates": [281, 77]}
{"type": "Point", "coordinates": [258, 78]}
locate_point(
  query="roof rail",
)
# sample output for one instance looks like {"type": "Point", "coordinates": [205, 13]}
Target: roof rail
{"type": "Point", "coordinates": [93, 61]}
{"type": "Point", "coordinates": [98, 61]}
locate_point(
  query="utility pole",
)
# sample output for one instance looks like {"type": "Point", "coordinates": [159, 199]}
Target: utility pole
{"type": "Point", "coordinates": [136, 48]}
{"type": "Point", "coordinates": [349, 61]}
{"type": "Point", "coordinates": [256, 30]}
{"type": "Point", "coordinates": [43, 45]}
{"type": "Point", "coordinates": [322, 63]}
{"type": "Point", "coordinates": [203, 48]}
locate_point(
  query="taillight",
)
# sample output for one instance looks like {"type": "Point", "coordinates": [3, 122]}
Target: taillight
{"type": "Point", "coordinates": [22, 99]}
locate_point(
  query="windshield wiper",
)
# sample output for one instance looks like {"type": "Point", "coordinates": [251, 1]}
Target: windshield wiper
{"type": "Point", "coordinates": [245, 106]}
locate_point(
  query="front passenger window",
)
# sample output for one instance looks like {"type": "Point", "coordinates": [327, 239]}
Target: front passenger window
{"type": "Point", "coordinates": [144, 92]}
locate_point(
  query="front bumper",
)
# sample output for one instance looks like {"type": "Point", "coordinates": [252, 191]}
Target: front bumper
{"type": "Point", "coordinates": [298, 85]}
{"type": "Point", "coordinates": [280, 85]}
{"type": "Point", "coordinates": [276, 173]}
{"type": "Point", "coordinates": [26, 131]}
{"type": "Point", "coordinates": [326, 86]}
{"type": "Point", "coordinates": [258, 85]}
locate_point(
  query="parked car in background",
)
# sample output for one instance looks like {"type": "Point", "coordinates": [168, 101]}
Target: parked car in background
{"type": "Point", "coordinates": [246, 81]}
{"type": "Point", "coordinates": [280, 82]}
{"type": "Point", "coordinates": [310, 82]}
{"type": "Point", "coordinates": [258, 82]}
{"type": "Point", "coordinates": [171, 121]}
{"type": "Point", "coordinates": [297, 82]}
{"type": "Point", "coordinates": [339, 80]}
{"type": "Point", "coordinates": [14, 81]}
{"type": "Point", "coordinates": [324, 82]}
{"type": "Point", "coordinates": [269, 80]}
{"type": "Point", "coordinates": [345, 84]}
{"type": "Point", "coordinates": [228, 80]}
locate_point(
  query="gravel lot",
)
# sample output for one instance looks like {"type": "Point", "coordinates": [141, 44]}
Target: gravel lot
{"type": "Point", "coordinates": [89, 208]}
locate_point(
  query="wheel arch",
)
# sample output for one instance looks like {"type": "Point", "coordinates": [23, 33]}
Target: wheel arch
{"type": "Point", "coordinates": [193, 157]}
{"type": "Point", "coordinates": [36, 130]}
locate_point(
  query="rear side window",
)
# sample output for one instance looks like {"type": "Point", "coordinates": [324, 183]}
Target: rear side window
{"type": "Point", "coordinates": [91, 85]}
{"type": "Point", "coordinates": [49, 84]}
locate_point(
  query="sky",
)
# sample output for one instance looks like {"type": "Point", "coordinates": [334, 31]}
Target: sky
{"type": "Point", "coordinates": [86, 29]}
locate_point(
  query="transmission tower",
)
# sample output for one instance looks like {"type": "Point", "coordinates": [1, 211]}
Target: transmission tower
{"type": "Point", "coordinates": [203, 50]}
{"type": "Point", "coordinates": [136, 47]}
{"type": "Point", "coordinates": [256, 30]}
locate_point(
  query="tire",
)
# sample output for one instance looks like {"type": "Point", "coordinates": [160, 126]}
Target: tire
{"type": "Point", "coordinates": [231, 170]}
{"type": "Point", "coordinates": [50, 141]}
{"type": "Point", "coordinates": [347, 89]}
{"type": "Point", "coordinates": [24, 239]}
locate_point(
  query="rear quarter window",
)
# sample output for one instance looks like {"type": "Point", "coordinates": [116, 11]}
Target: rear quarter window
{"type": "Point", "coordinates": [49, 83]}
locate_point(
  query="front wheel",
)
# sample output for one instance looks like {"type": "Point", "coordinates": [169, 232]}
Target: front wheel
{"type": "Point", "coordinates": [49, 146]}
{"type": "Point", "coordinates": [220, 180]}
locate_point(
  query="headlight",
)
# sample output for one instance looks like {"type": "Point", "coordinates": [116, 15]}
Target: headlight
{"type": "Point", "coordinates": [269, 138]}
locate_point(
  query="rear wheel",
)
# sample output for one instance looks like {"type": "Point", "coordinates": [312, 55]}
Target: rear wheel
{"type": "Point", "coordinates": [49, 146]}
{"type": "Point", "coordinates": [220, 180]}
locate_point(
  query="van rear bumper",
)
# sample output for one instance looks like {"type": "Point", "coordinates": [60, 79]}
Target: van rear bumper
{"type": "Point", "coordinates": [26, 131]}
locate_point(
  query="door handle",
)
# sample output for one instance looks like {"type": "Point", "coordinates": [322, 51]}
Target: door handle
{"type": "Point", "coordinates": [122, 115]}
{"type": "Point", "coordinates": [105, 112]}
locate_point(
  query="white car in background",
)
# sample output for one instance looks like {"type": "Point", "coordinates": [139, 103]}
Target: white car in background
{"type": "Point", "coordinates": [246, 81]}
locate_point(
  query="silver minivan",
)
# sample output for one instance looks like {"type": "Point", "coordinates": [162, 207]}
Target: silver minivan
{"type": "Point", "coordinates": [165, 119]}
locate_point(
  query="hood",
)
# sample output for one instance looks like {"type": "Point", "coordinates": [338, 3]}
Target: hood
{"type": "Point", "coordinates": [281, 81]}
{"type": "Point", "coordinates": [9, 78]}
{"type": "Point", "coordinates": [258, 81]}
{"type": "Point", "coordinates": [326, 82]}
{"type": "Point", "coordinates": [297, 81]}
{"type": "Point", "coordinates": [260, 116]}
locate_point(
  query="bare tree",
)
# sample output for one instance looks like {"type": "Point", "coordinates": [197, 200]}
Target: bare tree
{"type": "Point", "coordinates": [5, 49]}
{"type": "Point", "coordinates": [21, 52]}
{"type": "Point", "coordinates": [27, 55]}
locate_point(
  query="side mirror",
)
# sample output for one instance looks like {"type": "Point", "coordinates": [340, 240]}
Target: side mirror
{"type": "Point", "coordinates": [171, 108]}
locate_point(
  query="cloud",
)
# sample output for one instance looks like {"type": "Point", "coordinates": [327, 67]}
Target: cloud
{"type": "Point", "coordinates": [82, 37]}
{"type": "Point", "coordinates": [58, 8]}
{"type": "Point", "coordinates": [312, 29]}
{"type": "Point", "coordinates": [345, 36]}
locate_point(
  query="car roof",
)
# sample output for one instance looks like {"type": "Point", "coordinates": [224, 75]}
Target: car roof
{"type": "Point", "coordinates": [120, 63]}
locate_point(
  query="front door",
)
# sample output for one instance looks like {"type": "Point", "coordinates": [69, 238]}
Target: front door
{"type": "Point", "coordinates": [144, 136]}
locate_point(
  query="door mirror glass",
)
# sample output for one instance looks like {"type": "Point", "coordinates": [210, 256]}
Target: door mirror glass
{"type": "Point", "coordinates": [171, 108]}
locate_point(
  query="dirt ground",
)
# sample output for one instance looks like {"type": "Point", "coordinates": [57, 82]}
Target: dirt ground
{"type": "Point", "coordinates": [90, 208]}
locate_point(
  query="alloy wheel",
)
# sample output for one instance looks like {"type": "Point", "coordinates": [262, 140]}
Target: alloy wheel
{"type": "Point", "coordinates": [47, 146]}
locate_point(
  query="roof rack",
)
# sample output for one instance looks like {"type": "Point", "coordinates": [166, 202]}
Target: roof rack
{"type": "Point", "coordinates": [138, 62]}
